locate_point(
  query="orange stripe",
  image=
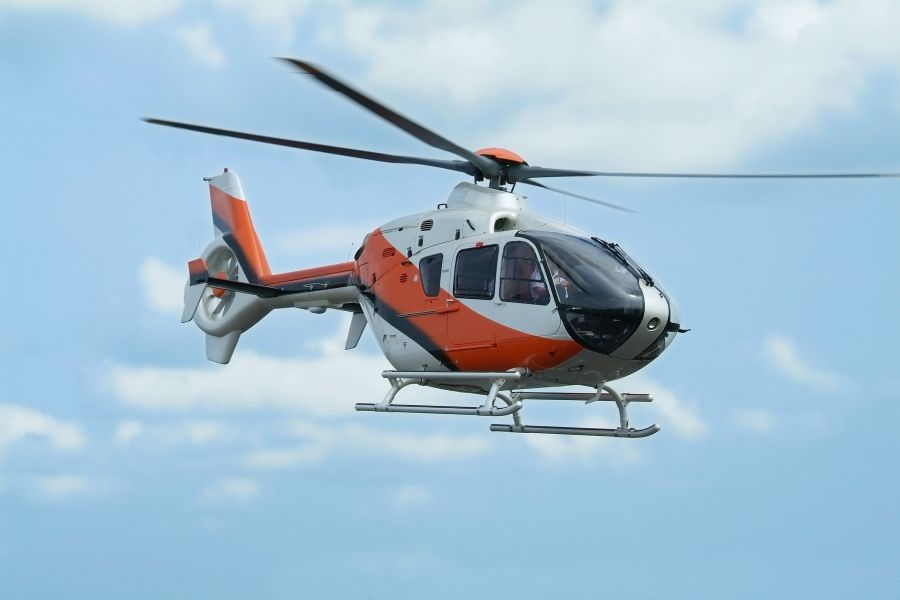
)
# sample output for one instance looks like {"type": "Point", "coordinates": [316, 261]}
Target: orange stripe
{"type": "Point", "coordinates": [236, 215]}
{"type": "Point", "coordinates": [480, 344]}
{"type": "Point", "coordinates": [295, 276]}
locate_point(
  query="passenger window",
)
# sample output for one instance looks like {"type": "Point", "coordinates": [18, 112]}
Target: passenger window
{"type": "Point", "coordinates": [430, 268]}
{"type": "Point", "coordinates": [476, 272]}
{"type": "Point", "coordinates": [520, 276]}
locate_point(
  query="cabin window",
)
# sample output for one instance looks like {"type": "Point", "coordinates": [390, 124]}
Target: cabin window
{"type": "Point", "coordinates": [476, 272]}
{"type": "Point", "coordinates": [520, 276]}
{"type": "Point", "coordinates": [430, 268]}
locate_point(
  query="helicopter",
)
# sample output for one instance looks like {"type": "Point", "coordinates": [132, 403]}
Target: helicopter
{"type": "Point", "coordinates": [479, 295]}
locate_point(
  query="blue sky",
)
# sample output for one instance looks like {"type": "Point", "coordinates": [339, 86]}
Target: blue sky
{"type": "Point", "coordinates": [130, 466]}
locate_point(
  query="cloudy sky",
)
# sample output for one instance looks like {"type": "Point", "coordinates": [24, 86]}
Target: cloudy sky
{"type": "Point", "coordinates": [132, 467]}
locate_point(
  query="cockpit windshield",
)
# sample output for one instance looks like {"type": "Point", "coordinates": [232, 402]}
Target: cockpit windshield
{"type": "Point", "coordinates": [587, 275]}
{"type": "Point", "coordinates": [597, 292]}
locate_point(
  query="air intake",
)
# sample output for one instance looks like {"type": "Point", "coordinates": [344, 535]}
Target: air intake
{"type": "Point", "coordinates": [388, 252]}
{"type": "Point", "coordinates": [426, 225]}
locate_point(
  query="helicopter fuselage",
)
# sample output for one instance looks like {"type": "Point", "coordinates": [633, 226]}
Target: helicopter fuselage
{"type": "Point", "coordinates": [483, 284]}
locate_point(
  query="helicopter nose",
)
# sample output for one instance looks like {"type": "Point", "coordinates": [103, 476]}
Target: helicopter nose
{"type": "Point", "coordinates": [668, 330]}
{"type": "Point", "coordinates": [654, 332]}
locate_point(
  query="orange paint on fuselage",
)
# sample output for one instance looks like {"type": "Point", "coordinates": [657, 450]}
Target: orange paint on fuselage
{"type": "Point", "coordinates": [478, 343]}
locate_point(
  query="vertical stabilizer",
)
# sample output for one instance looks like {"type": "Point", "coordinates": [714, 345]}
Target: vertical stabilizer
{"type": "Point", "coordinates": [232, 222]}
{"type": "Point", "coordinates": [234, 254]}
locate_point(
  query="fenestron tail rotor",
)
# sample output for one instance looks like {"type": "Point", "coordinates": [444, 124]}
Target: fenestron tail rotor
{"type": "Point", "coordinates": [499, 166]}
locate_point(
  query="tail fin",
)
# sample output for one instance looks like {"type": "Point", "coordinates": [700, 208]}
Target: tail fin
{"type": "Point", "coordinates": [235, 259]}
{"type": "Point", "coordinates": [230, 286]}
{"type": "Point", "coordinates": [232, 222]}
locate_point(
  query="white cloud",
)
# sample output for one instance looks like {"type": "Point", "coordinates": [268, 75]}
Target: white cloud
{"type": "Point", "coordinates": [673, 412]}
{"type": "Point", "coordinates": [756, 420]}
{"type": "Point", "coordinates": [674, 415]}
{"type": "Point", "coordinates": [203, 432]}
{"type": "Point", "coordinates": [195, 433]}
{"type": "Point", "coordinates": [305, 386]}
{"type": "Point", "coordinates": [408, 497]}
{"type": "Point", "coordinates": [784, 356]}
{"type": "Point", "coordinates": [321, 441]}
{"type": "Point", "coordinates": [638, 84]}
{"type": "Point", "coordinates": [127, 431]}
{"type": "Point", "coordinates": [315, 384]}
{"type": "Point", "coordinates": [253, 381]}
{"type": "Point", "coordinates": [416, 447]}
{"type": "Point", "coordinates": [199, 42]}
{"type": "Point", "coordinates": [230, 491]}
{"type": "Point", "coordinates": [576, 450]}
{"type": "Point", "coordinates": [274, 16]}
{"type": "Point", "coordinates": [60, 488]}
{"type": "Point", "coordinates": [162, 286]}
{"type": "Point", "coordinates": [115, 12]}
{"type": "Point", "coordinates": [19, 422]}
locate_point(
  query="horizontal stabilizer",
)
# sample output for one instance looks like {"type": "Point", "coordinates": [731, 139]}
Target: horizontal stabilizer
{"type": "Point", "coordinates": [192, 296]}
{"type": "Point", "coordinates": [200, 278]}
{"type": "Point", "coordinates": [262, 291]}
{"type": "Point", "coordinates": [198, 272]}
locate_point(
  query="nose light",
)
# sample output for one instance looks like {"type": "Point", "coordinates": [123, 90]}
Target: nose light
{"type": "Point", "coordinates": [653, 324]}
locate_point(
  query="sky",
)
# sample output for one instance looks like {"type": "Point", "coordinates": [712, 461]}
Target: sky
{"type": "Point", "coordinates": [132, 467]}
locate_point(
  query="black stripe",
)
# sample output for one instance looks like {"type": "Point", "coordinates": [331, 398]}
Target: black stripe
{"type": "Point", "coordinates": [320, 283]}
{"type": "Point", "coordinates": [252, 276]}
{"type": "Point", "coordinates": [219, 223]}
{"type": "Point", "coordinates": [409, 329]}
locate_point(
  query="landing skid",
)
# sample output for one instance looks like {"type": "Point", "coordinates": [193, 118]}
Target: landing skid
{"type": "Point", "coordinates": [513, 401]}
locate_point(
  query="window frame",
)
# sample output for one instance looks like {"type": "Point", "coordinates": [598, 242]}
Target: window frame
{"type": "Point", "coordinates": [431, 280]}
{"type": "Point", "coordinates": [535, 259]}
{"type": "Point", "coordinates": [495, 248]}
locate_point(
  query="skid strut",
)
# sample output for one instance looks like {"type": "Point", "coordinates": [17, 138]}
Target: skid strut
{"type": "Point", "coordinates": [513, 402]}
{"type": "Point", "coordinates": [401, 379]}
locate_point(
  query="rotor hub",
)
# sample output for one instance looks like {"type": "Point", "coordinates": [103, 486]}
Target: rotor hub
{"type": "Point", "coordinates": [502, 155]}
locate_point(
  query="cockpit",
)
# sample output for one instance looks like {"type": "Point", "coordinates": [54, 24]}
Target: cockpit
{"type": "Point", "coordinates": [597, 288]}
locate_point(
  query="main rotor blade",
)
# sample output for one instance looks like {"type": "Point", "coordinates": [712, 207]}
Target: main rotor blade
{"type": "Point", "coordinates": [579, 196]}
{"type": "Point", "coordinates": [453, 165]}
{"type": "Point", "coordinates": [521, 172]}
{"type": "Point", "coordinates": [484, 164]}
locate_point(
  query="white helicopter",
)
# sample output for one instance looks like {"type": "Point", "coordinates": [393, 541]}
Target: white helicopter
{"type": "Point", "coordinates": [479, 295]}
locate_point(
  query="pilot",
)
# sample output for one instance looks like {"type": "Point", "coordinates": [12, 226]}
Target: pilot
{"type": "Point", "coordinates": [560, 281]}
{"type": "Point", "coordinates": [525, 283]}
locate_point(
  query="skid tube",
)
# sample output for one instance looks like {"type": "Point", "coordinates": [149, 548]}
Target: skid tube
{"type": "Point", "coordinates": [401, 379]}
{"type": "Point", "coordinates": [514, 402]}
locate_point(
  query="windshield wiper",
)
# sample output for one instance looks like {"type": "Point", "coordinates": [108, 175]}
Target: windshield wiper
{"type": "Point", "coordinates": [622, 257]}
